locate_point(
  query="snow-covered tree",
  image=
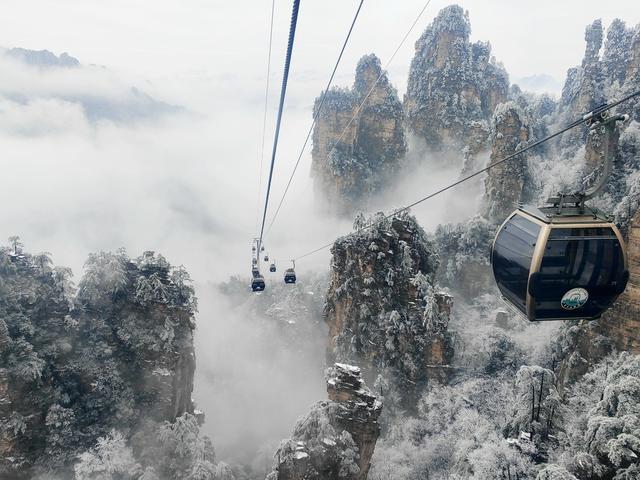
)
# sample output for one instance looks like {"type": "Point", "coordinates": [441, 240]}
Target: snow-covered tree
{"type": "Point", "coordinates": [109, 459]}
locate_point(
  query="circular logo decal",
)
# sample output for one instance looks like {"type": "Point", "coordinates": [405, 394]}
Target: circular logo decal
{"type": "Point", "coordinates": [574, 298]}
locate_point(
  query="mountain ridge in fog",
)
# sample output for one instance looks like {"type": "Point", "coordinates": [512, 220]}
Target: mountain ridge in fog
{"type": "Point", "coordinates": [134, 105]}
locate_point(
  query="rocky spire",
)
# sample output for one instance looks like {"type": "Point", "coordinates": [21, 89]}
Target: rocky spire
{"type": "Point", "coordinates": [119, 364]}
{"type": "Point", "coordinates": [504, 183]}
{"type": "Point", "coordinates": [336, 439]}
{"type": "Point", "coordinates": [593, 37]}
{"type": "Point", "coordinates": [617, 51]}
{"type": "Point", "coordinates": [348, 169]}
{"type": "Point", "coordinates": [453, 85]}
{"type": "Point", "coordinates": [616, 68]}
{"type": "Point", "coordinates": [384, 311]}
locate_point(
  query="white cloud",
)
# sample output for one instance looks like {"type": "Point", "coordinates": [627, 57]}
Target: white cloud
{"type": "Point", "coordinates": [41, 116]}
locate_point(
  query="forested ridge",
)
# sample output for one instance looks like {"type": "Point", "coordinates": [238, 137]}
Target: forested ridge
{"type": "Point", "coordinates": [96, 378]}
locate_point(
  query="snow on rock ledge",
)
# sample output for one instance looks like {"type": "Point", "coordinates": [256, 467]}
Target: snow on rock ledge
{"type": "Point", "coordinates": [336, 439]}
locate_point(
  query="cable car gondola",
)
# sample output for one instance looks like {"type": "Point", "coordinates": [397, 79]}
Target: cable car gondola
{"type": "Point", "coordinates": [266, 258]}
{"type": "Point", "coordinates": [563, 261]}
{"type": "Point", "coordinates": [257, 283]}
{"type": "Point", "coordinates": [290, 275]}
{"type": "Point", "coordinates": [272, 268]}
{"type": "Point", "coordinates": [562, 267]}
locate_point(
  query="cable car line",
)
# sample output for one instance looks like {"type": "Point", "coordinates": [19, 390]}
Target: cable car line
{"type": "Point", "coordinates": [357, 112]}
{"type": "Point", "coordinates": [264, 117]}
{"type": "Point", "coordinates": [317, 114]}
{"type": "Point", "coordinates": [584, 119]}
{"type": "Point", "coordinates": [283, 91]}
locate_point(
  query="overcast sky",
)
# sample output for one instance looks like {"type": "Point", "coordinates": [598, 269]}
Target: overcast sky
{"type": "Point", "coordinates": [161, 38]}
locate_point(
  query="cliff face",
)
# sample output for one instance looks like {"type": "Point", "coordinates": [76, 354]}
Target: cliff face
{"type": "Point", "coordinates": [582, 344]}
{"type": "Point", "coordinates": [337, 438]}
{"type": "Point", "coordinates": [34, 321]}
{"type": "Point", "coordinates": [348, 168]}
{"type": "Point", "coordinates": [622, 323]}
{"type": "Point", "coordinates": [602, 74]}
{"type": "Point", "coordinates": [504, 183]}
{"type": "Point", "coordinates": [607, 73]}
{"type": "Point", "coordinates": [583, 87]}
{"type": "Point", "coordinates": [114, 361]}
{"type": "Point", "coordinates": [383, 309]}
{"type": "Point", "coordinates": [464, 250]}
{"type": "Point", "coordinates": [454, 85]}
{"type": "Point", "coordinates": [141, 312]}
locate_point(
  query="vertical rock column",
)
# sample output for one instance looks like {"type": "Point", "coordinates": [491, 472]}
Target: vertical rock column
{"type": "Point", "coordinates": [622, 323]}
{"type": "Point", "coordinates": [454, 85]}
{"type": "Point", "coordinates": [356, 152]}
{"type": "Point", "coordinates": [384, 311]}
{"type": "Point", "coordinates": [336, 439]}
{"type": "Point", "coordinates": [504, 183]}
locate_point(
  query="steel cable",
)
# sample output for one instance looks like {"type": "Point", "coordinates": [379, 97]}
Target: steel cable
{"type": "Point", "coordinates": [585, 118]}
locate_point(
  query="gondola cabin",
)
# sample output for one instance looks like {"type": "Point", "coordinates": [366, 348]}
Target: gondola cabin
{"type": "Point", "coordinates": [257, 283]}
{"type": "Point", "coordinates": [290, 275]}
{"type": "Point", "coordinates": [559, 267]}
{"type": "Point", "coordinates": [272, 267]}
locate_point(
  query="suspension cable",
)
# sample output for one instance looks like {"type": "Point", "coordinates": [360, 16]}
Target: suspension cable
{"type": "Point", "coordinates": [316, 115]}
{"type": "Point", "coordinates": [264, 117]}
{"type": "Point", "coordinates": [585, 118]}
{"type": "Point", "coordinates": [283, 91]}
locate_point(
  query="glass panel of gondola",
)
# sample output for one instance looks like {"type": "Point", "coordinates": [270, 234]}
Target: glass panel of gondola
{"type": "Point", "coordinates": [591, 259]}
{"type": "Point", "coordinates": [511, 259]}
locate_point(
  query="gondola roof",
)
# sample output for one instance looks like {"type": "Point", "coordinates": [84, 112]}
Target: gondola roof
{"type": "Point", "coordinates": [569, 214]}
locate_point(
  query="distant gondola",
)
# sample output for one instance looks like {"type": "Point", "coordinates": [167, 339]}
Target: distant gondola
{"type": "Point", "coordinates": [290, 275]}
{"type": "Point", "coordinates": [272, 267]}
{"type": "Point", "coordinates": [257, 284]}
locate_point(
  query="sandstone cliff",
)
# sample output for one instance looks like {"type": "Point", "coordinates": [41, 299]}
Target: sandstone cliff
{"type": "Point", "coordinates": [337, 438]}
{"type": "Point", "coordinates": [602, 75]}
{"type": "Point", "coordinates": [584, 343]}
{"type": "Point", "coordinates": [504, 183]}
{"type": "Point", "coordinates": [464, 250]}
{"type": "Point", "coordinates": [350, 166]}
{"type": "Point", "coordinates": [107, 368]}
{"type": "Point", "coordinates": [454, 85]}
{"type": "Point", "coordinates": [383, 309]}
